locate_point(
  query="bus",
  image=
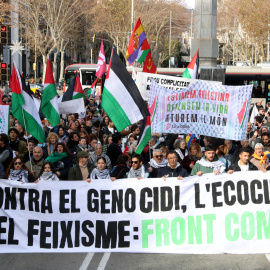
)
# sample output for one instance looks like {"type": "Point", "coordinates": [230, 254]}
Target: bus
{"type": "Point", "coordinates": [86, 73]}
{"type": "Point", "coordinates": [258, 76]}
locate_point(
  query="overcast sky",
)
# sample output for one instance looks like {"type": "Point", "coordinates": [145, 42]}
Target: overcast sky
{"type": "Point", "coordinates": [190, 3]}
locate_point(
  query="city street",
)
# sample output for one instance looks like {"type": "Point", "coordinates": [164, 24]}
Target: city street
{"type": "Point", "coordinates": [119, 261]}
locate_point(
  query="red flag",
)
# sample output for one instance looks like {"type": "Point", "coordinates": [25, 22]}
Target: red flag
{"type": "Point", "coordinates": [101, 65]}
{"type": "Point", "coordinates": [149, 65]}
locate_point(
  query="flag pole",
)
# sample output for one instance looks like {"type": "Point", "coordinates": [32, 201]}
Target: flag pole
{"type": "Point", "coordinates": [149, 150]}
{"type": "Point", "coordinates": [27, 141]}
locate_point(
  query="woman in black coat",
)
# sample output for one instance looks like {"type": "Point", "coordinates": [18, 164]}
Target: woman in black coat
{"type": "Point", "coordinates": [114, 150]}
{"type": "Point", "coordinates": [62, 160]}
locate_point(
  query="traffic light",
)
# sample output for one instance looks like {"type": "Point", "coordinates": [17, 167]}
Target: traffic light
{"type": "Point", "coordinates": [3, 34]}
{"type": "Point", "coordinates": [4, 72]}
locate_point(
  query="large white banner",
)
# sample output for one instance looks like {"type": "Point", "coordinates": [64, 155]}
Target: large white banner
{"type": "Point", "coordinates": [4, 118]}
{"type": "Point", "coordinates": [208, 214]}
{"type": "Point", "coordinates": [202, 108]}
{"type": "Point", "coordinates": [143, 81]}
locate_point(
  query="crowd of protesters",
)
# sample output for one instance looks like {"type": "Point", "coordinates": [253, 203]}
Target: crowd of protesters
{"type": "Point", "coordinates": [89, 147]}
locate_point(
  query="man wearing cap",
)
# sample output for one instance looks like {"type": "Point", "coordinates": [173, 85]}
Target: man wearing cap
{"type": "Point", "coordinates": [19, 147]}
{"type": "Point", "coordinates": [82, 169]}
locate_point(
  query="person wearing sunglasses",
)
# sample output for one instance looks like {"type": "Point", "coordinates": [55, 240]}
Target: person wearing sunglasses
{"type": "Point", "coordinates": [155, 163]}
{"type": "Point", "coordinates": [137, 169]}
{"type": "Point", "coordinates": [17, 171]}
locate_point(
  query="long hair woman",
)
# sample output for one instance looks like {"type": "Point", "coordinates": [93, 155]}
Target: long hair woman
{"type": "Point", "coordinates": [194, 154]}
{"type": "Point", "coordinates": [17, 171]}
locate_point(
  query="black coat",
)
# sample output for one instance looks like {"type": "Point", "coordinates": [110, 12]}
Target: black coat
{"type": "Point", "coordinates": [169, 172]}
{"type": "Point", "coordinates": [6, 156]}
{"type": "Point", "coordinates": [63, 166]}
{"type": "Point", "coordinates": [120, 171]}
{"type": "Point", "coordinates": [235, 167]}
{"type": "Point", "coordinates": [113, 153]}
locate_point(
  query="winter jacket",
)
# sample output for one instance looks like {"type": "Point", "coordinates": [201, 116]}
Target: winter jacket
{"type": "Point", "coordinates": [6, 156]}
{"type": "Point", "coordinates": [120, 171]}
{"type": "Point", "coordinates": [75, 173]}
{"type": "Point", "coordinates": [235, 167]}
{"type": "Point", "coordinates": [63, 166]}
{"type": "Point", "coordinates": [169, 172]}
{"type": "Point", "coordinates": [256, 162]}
{"type": "Point", "coordinates": [205, 169]}
{"type": "Point", "coordinates": [36, 166]}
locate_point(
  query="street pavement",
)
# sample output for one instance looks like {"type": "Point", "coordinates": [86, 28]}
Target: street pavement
{"type": "Point", "coordinates": [130, 261]}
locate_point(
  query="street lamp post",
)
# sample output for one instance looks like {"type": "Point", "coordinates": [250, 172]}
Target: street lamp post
{"type": "Point", "coordinates": [170, 39]}
{"type": "Point", "coordinates": [268, 44]}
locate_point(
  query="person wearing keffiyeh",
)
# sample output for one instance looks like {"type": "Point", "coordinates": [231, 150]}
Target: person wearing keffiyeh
{"type": "Point", "coordinates": [259, 158]}
{"type": "Point", "coordinates": [209, 163]}
{"type": "Point", "coordinates": [155, 163]}
{"type": "Point", "coordinates": [137, 169]}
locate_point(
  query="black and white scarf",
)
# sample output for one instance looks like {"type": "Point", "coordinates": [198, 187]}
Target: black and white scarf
{"type": "Point", "coordinates": [18, 175]}
{"type": "Point", "coordinates": [48, 176]}
{"type": "Point", "coordinates": [97, 174]}
{"type": "Point", "coordinates": [136, 173]}
{"type": "Point", "coordinates": [156, 165]}
{"type": "Point", "coordinates": [180, 153]}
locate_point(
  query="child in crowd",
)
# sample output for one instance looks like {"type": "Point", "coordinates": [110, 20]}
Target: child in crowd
{"type": "Point", "coordinates": [100, 172]}
{"type": "Point", "coordinates": [47, 173]}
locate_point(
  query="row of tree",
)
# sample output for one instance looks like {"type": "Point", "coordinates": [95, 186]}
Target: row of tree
{"type": "Point", "coordinates": [250, 21]}
{"type": "Point", "coordinates": [51, 27]}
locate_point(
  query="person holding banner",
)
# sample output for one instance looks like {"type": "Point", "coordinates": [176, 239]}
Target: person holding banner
{"type": "Point", "coordinates": [155, 163]}
{"type": "Point", "coordinates": [137, 169]}
{"type": "Point", "coordinates": [173, 168]}
{"type": "Point", "coordinates": [17, 171]}
{"type": "Point", "coordinates": [243, 163]}
{"type": "Point", "coordinates": [259, 159]}
{"type": "Point", "coordinates": [100, 172]}
{"type": "Point", "coordinates": [82, 169]}
{"type": "Point", "coordinates": [209, 163]}
{"type": "Point", "coordinates": [47, 173]}
{"type": "Point", "coordinates": [36, 163]}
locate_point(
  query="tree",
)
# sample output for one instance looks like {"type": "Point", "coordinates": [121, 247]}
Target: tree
{"type": "Point", "coordinates": [51, 24]}
{"type": "Point", "coordinates": [114, 17]}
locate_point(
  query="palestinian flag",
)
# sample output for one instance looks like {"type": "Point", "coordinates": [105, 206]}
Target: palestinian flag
{"type": "Point", "coordinates": [92, 90]}
{"type": "Point", "coordinates": [191, 72]}
{"type": "Point", "coordinates": [143, 51]}
{"type": "Point", "coordinates": [49, 102]}
{"type": "Point", "coordinates": [23, 107]}
{"type": "Point", "coordinates": [243, 113]}
{"type": "Point", "coordinates": [74, 90]}
{"type": "Point", "coordinates": [121, 98]}
{"type": "Point", "coordinates": [145, 134]}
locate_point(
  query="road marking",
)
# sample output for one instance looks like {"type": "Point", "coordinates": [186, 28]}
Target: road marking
{"type": "Point", "coordinates": [86, 261]}
{"type": "Point", "coordinates": [104, 261]}
{"type": "Point", "coordinates": [268, 257]}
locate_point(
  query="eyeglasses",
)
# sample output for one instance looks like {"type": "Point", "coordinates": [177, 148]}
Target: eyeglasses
{"type": "Point", "coordinates": [135, 162]}
{"type": "Point", "coordinates": [159, 156]}
{"type": "Point", "coordinates": [16, 163]}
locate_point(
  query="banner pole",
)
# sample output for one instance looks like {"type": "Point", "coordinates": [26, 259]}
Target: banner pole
{"type": "Point", "coordinates": [27, 142]}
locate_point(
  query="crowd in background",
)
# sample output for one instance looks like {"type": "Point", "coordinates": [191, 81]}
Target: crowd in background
{"type": "Point", "coordinates": [89, 147]}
